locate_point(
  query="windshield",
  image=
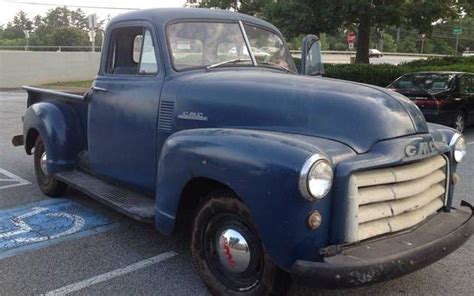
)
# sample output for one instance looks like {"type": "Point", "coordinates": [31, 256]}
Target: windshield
{"type": "Point", "coordinates": [203, 44]}
{"type": "Point", "coordinates": [428, 82]}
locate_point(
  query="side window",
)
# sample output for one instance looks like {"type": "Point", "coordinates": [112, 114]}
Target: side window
{"type": "Point", "coordinates": [266, 46]}
{"type": "Point", "coordinates": [132, 52]}
{"type": "Point", "coordinates": [465, 85]}
{"type": "Point", "coordinates": [148, 59]}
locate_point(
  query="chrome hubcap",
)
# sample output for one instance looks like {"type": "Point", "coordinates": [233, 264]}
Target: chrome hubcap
{"type": "Point", "coordinates": [43, 163]}
{"type": "Point", "coordinates": [233, 251]}
{"type": "Point", "coordinates": [460, 123]}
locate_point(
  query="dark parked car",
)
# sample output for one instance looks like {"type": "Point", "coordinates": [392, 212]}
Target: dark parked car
{"type": "Point", "coordinates": [443, 97]}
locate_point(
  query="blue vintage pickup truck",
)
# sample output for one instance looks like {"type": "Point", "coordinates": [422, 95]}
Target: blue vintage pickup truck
{"type": "Point", "coordinates": [201, 116]}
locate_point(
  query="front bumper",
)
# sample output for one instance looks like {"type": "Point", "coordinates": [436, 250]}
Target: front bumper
{"type": "Point", "coordinates": [388, 258]}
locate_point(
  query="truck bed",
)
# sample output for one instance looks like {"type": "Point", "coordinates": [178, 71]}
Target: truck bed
{"type": "Point", "coordinates": [36, 95]}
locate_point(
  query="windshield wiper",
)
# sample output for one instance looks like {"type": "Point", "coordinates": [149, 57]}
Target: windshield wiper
{"type": "Point", "coordinates": [273, 65]}
{"type": "Point", "coordinates": [234, 61]}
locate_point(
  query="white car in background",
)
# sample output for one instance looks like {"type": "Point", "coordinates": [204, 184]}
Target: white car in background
{"type": "Point", "coordinates": [375, 53]}
{"type": "Point", "coordinates": [258, 53]}
{"type": "Point", "coordinates": [468, 54]}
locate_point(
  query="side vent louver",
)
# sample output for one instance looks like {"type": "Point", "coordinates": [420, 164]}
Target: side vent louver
{"type": "Point", "coordinates": [165, 119]}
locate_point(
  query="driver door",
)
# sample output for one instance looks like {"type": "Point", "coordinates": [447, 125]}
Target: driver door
{"type": "Point", "coordinates": [123, 111]}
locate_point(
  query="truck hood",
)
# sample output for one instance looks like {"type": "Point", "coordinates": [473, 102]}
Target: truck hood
{"type": "Point", "coordinates": [354, 114]}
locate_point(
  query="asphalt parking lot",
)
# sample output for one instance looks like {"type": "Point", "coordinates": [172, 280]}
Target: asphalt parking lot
{"type": "Point", "coordinates": [113, 255]}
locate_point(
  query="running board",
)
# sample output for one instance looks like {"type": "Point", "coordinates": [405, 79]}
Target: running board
{"type": "Point", "coordinates": [127, 202]}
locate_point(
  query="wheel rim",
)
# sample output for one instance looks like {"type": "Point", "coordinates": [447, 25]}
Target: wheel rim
{"type": "Point", "coordinates": [43, 163]}
{"type": "Point", "coordinates": [233, 252]}
{"type": "Point", "coordinates": [459, 124]}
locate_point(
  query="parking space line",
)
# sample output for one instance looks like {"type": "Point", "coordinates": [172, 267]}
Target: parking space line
{"type": "Point", "coordinates": [112, 274]}
{"type": "Point", "coordinates": [471, 143]}
{"type": "Point", "coordinates": [11, 178]}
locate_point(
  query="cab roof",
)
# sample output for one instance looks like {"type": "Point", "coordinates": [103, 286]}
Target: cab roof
{"type": "Point", "coordinates": [162, 16]}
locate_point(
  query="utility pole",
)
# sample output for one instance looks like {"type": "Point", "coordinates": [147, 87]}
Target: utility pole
{"type": "Point", "coordinates": [457, 43]}
{"type": "Point", "coordinates": [423, 37]}
{"type": "Point", "coordinates": [27, 38]}
{"type": "Point", "coordinates": [381, 40]}
{"type": "Point", "coordinates": [457, 32]}
{"type": "Point", "coordinates": [92, 25]}
{"type": "Point", "coordinates": [398, 38]}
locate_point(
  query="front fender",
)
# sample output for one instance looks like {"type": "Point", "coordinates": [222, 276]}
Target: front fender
{"type": "Point", "coordinates": [59, 127]}
{"type": "Point", "coordinates": [441, 133]}
{"type": "Point", "coordinates": [262, 168]}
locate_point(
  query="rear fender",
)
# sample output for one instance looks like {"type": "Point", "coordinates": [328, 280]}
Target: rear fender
{"type": "Point", "coordinates": [59, 127]}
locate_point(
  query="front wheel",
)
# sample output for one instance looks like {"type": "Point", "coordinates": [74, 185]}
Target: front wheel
{"type": "Point", "coordinates": [228, 254]}
{"type": "Point", "coordinates": [47, 183]}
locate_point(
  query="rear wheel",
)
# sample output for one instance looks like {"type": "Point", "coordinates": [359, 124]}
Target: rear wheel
{"type": "Point", "coordinates": [47, 183]}
{"type": "Point", "coordinates": [460, 121]}
{"type": "Point", "coordinates": [228, 253]}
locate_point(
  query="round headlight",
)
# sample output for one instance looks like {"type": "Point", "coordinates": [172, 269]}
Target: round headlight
{"type": "Point", "coordinates": [459, 149]}
{"type": "Point", "coordinates": [316, 178]}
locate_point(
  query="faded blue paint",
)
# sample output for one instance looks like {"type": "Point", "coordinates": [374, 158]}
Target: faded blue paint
{"type": "Point", "coordinates": [262, 125]}
{"type": "Point", "coordinates": [46, 221]}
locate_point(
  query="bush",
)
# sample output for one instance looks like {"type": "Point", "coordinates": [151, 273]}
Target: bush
{"type": "Point", "coordinates": [384, 74]}
{"type": "Point", "coordinates": [440, 61]}
{"type": "Point", "coordinates": [380, 75]}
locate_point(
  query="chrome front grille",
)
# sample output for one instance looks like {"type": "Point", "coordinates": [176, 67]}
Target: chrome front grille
{"type": "Point", "coordinates": [388, 200]}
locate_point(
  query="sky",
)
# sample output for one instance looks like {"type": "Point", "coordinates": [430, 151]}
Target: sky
{"type": "Point", "coordinates": [8, 8]}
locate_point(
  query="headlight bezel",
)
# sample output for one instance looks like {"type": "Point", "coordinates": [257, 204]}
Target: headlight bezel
{"type": "Point", "coordinates": [305, 173]}
{"type": "Point", "coordinates": [453, 143]}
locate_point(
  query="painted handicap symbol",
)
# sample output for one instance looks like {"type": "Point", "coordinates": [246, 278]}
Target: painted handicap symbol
{"type": "Point", "coordinates": [23, 227]}
{"type": "Point", "coordinates": [43, 222]}
{"type": "Point", "coordinates": [8, 180]}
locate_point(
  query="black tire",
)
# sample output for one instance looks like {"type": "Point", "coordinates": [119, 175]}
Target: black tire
{"type": "Point", "coordinates": [460, 121]}
{"type": "Point", "coordinates": [48, 185]}
{"type": "Point", "coordinates": [261, 276]}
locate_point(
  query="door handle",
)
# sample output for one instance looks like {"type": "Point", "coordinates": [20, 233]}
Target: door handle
{"type": "Point", "coordinates": [95, 88]}
{"type": "Point", "coordinates": [457, 99]}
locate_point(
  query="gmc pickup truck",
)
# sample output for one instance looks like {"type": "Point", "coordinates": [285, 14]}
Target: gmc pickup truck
{"type": "Point", "coordinates": [201, 116]}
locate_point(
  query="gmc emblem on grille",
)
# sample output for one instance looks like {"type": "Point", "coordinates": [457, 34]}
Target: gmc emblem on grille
{"type": "Point", "coordinates": [420, 149]}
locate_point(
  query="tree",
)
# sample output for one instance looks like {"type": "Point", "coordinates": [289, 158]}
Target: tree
{"type": "Point", "coordinates": [58, 17]}
{"type": "Point", "coordinates": [64, 27]}
{"type": "Point", "coordinates": [385, 42]}
{"type": "Point", "coordinates": [407, 45]}
{"type": "Point", "coordinates": [69, 36]}
{"type": "Point", "coordinates": [251, 7]}
{"type": "Point", "coordinates": [15, 28]}
{"type": "Point", "coordinates": [294, 17]}
{"type": "Point", "coordinates": [79, 20]}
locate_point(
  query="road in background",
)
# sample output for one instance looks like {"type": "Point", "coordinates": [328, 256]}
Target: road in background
{"type": "Point", "coordinates": [133, 259]}
{"type": "Point", "coordinates": [330, 58]}
{"type": "Point", "coordinates": [344, 57]}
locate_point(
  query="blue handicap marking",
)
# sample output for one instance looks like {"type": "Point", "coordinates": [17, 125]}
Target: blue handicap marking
{"type": "Point", "coordinates": [46, 221]}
